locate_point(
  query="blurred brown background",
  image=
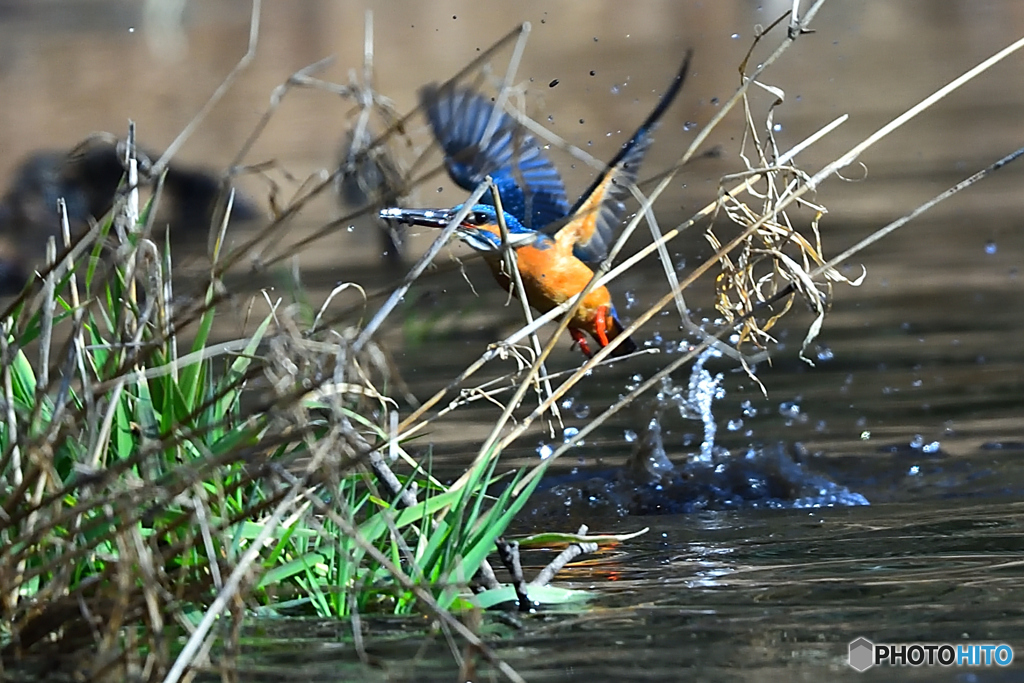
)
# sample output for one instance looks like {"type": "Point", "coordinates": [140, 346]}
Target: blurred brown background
{"type": "Point", "coordinates": [68, 68]}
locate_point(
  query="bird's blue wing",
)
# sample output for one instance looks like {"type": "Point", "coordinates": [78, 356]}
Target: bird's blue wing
{"type": "Point", "coordinates": [598, 212]}
{"type": "Point", "coordinates": [529, 184]}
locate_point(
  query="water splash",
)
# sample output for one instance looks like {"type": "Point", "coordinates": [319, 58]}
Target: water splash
{"type": "Point", "coordinates": [704, 390]}
{"type": "Point", "coordinates": [544, 450]}
{"type": "Point", "coordinates": [711, 478]}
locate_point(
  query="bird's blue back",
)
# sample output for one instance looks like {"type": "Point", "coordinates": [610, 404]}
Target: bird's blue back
{"type": "Point", "coordinates": [529, 184]}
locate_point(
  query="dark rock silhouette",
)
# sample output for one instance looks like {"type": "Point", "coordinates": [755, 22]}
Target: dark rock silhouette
{"type": "Point", "coordinates": [87, 178]}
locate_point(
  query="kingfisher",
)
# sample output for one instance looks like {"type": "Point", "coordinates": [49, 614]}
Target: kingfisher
{"type": "Point", "coordinates": [557, 246]}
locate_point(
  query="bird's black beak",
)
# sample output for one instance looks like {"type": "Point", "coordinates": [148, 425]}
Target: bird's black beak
{"type": "Point", "coordinates": [431, 218]}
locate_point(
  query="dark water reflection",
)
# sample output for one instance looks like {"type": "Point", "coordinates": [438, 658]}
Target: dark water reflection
{"type": "Point", "coordinates": [927, 351]}
{"type": "Point", "coordinates": [741, 596]}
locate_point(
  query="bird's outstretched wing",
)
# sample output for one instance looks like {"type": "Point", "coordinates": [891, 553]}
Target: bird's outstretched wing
{"type": "Point", "coordinates": [474, 147]}
{"type": "Point", "coordinates": [598, 212]}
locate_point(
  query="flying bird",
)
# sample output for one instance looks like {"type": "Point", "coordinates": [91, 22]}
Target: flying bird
{"type": "Point", "coordinates": [557, 246]}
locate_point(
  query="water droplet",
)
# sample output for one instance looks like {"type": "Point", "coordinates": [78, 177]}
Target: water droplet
{"type": "Point", "coordinates": [734, 425]}
{"type": "Point", "coordinates": [917, 441]}
{"type": "Point", "coordinates": [593, 73]}
{"type": "Point", "coordinates": [630, 298]}
{"type": "Point", "coordinates": [689, 125]}
{"type": "Point", "coordinates": [735, 36]}
{"type": "Point", "coordinates": [582, 411]}
{"type": "Point", "coordinates": [568, 433]}
{"type": "Point", "coordinates": [825, 354]}
{"type": "Point", "coordinates": [865, 435]}
{"type": "Point", "coordinates": [544, 450]}
{"type": "Point", "coordinates": [629, 435]}
{"type": "Point", "coordinates": [615, 90]}
{"type": "Point", "coordinates": [932, 447]}
{"type": "Point", "coordinates": [714, 101]}
{"type": "Point", "coordinates": [914, 470]}
{"type": "Point", "coordinates": [990, 247]}
{"type": "Point", "coordinates": [748, 409]}
{"type": "Point", "coordinates": [551, 118]}
{"type": "Point", "coordinates": [581, 120]}
{"type": "Point", "coordinates": [567, 403]}
{"type": "Point", "coordinates": [777, 127]}
{"type": "Point", "coordinates": [790, 409]}
{"type": "Point", "coordinates": [440, 190]}
{"type": "Point", "coordinates": [350, 228]}
{"type": "Point", "coordinates": [553, 83]}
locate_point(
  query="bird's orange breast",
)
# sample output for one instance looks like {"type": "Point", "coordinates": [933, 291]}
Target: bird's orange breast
{"type": "Point", "coordinates": [551, 277]}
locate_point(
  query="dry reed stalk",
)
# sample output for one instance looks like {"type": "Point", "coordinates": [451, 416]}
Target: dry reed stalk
{"type": "Point", "coordinates": [811, 183]}
{"type": "Point", "coordinates": [488, 450]}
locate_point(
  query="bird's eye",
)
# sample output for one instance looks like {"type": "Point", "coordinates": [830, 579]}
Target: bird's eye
{"type": "Point", "coordinates": [478, 218]}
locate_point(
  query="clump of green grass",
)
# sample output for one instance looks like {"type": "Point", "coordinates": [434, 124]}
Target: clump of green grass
{"type": "Point", "coordinates": [158, 486]}
{"type": "Point", "coordinates": [151, 489]}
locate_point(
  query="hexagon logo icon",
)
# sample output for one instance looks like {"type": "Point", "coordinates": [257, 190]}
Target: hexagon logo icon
{"type": "Point", "coordinates": [862, 654]}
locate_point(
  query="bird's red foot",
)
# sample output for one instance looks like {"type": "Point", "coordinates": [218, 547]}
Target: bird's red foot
{"type": "Point", "coordinates": [601, 325]}
{"type": "Point", "coordinates": [579, 338]}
